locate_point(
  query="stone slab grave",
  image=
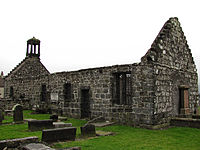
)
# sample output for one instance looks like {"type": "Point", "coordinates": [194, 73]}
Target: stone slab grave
{"type": "Point", "coordinates": [14, 143]}
{"type": "Point", "coordinates": [1, 116]}
{"type": "Point", "coordinates": [100, 122]}
{"type": "Point", "coordinates": [88, 130]}
{"type": "Point", "coordinates": [104, 133]}
{"type": "Point", "coordinates": [27, 120]}
{"type": "Point", "coordinates": [185, 122]}
{"type": "Point", "coordinates": [103, 124]}
{"type": "Point", "coordinates": [17, 113]}
{"type": "Point", "coordinates": [61, 118]}
{"type": "Point", "coordinates": [59, 134]}
{"type": "Point", "coordinates": [61, 124]}
{"type": "Point", "coordinates": [38, 125]}
{"type": "Point", "coordinates": [36, 146]}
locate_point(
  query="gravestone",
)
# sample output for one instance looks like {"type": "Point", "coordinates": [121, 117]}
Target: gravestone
{"type": "Point", "coordinates": [54, 117]}
{"type": "Point", "coordinates": [38, 125]}
{"type": "Point", "coordinates": [17, 113]}
{"type": "Point", "coordinates": [1, 116]}
{"type": "Point", "coordinates": [59, 134]}
{"type": "Point", "coordinates": [88, 130]}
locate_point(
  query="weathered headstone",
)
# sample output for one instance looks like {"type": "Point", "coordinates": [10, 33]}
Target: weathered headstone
{"type": "Point", "coordinates": [59, 134]}
{"type": "Point", "coordinates": [17, 113]}
{"type": "Point", "coordinates": [38, 125]}
{"type": "Point", "coordinates": [88, 130]}
{"type": "Point", "coordinates": [54, 117]}
{"type": "Point", "coordinates": [1, 116]}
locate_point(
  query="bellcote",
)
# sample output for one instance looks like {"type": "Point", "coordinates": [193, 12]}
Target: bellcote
{"type": "Point", "coordinates": [33, 48]}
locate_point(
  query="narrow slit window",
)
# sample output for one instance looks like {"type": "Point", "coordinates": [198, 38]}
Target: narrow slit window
{"type": "Point", "coordinates": [11, 92]}
{"type": "Point", "coordinates": [43, 93]}
{"type": "Point", "coordinates": [67, 91]}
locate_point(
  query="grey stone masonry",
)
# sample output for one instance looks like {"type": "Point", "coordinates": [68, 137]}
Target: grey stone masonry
{"type": "Point", "coordinates": [17, 113]}
{"type": "Point", "coordinates": [26, 80]}
{"type": "Point", "coordinates": [162, 85]}
{"type": "Point", "coordinates": [174, 69]}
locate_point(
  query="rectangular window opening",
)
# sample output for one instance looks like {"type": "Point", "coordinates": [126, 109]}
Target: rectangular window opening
{"type": "Point", "coordinates": [122, 88]}
{"type": "Point", "coordinates": [11, 92]}
{"type": "Point", "coordinates": [67, 91]}
{"type": "Point", "coordinates": [43, 92]}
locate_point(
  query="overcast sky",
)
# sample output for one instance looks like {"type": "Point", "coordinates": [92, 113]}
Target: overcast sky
{"type": "Point", "coordinates": [77, 34]}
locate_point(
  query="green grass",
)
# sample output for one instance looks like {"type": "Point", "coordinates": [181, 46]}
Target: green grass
{"type": "Point", "coordinates": [11, 131]}
{"type": "Point", "coordinates": [129, 138]}
{"type": "Point", "coordinates": [17, 131]}
{"type": "Point", "coordinates": [125, 138]}
{"type": "Point", "coordinates": [27, 115]}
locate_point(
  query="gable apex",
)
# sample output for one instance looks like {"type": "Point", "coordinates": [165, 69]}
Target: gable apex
{"type": "Point", "coordinates": [170, 47]}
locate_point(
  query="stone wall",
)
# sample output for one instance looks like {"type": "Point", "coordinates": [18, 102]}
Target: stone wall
{"type": "Point", "coordinates": [1, 93]}
{"type": "Point", "coordinates": [1, 86]}
{"type": "Point", "coordinates": [173, 67]}
{"type": "Point", "coordinates": [143, 93]}
{"type": "Point", "coordinates": [99, 82]}
{"type": "Point", "coordinates": [26, 80]}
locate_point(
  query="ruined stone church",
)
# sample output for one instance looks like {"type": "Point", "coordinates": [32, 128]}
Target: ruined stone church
{"type": "Point", "coordinates": [151, 92]}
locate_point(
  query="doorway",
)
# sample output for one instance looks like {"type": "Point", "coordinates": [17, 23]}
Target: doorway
{"type": "Point", "coordinates": [184, 100]}
{"type": "Point", "coordinates": [85, 103]}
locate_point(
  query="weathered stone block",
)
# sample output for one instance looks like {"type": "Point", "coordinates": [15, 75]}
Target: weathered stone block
{"type": "Point", "coordinates": [61, 124]}
{"type": "Point", "coordinates": [59, 134]}
{"type": "Point", "coordinates": [36, 146]}
{"type": "Point", "coordinates": [17, 142]}
{"type": "Point", "coordinates": [37, 125]}
{"type": "Point", "coordinates": [88, 130]}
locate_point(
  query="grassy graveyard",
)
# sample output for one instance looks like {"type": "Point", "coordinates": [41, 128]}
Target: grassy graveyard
{"type": "Point", "coordinates": [125, 138]}
{"type": "Point", "coordinates": [10, 131]}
